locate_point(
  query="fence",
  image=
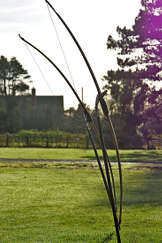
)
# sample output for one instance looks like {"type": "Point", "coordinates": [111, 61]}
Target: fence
{"type": "Point", "coordinates": [55, 141]}
{"type": "Point", "coordinates": [44, 141]}
{"type": "Point", "coordinates": [157, 143]}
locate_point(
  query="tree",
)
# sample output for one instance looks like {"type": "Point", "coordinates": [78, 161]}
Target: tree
{"type": "Point", "coordinates": [3, 116]}
{"type": "Point", "coordinates": [133, 87]}
{"type": "Point", "coordinates": [74, 121]}
{"type": "Point", "coordinates": [13, 77]}
{"type": "Point", "coordinates": [152, 123]}
{"type": "Point", "coordinates": [13, 81]}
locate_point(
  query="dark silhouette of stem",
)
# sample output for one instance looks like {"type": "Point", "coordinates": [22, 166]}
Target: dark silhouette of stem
{"type": "Point", "coordinates": [107, 182]}
{"type": "Point", "coordinates": [88, 118]}
{"type": "Point", "coordinates": [78, 45]}
{"type": "Point", "coordinates": [102, 102]}
{"type": "Point", "coordinates": [106, 162]}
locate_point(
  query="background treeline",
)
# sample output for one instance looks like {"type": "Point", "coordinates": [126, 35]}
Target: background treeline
{"type": "Point", "coordinates": [70, 131]}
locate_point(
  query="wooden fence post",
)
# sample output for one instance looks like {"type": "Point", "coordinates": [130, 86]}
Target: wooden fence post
{"type": "Point", "coordinates": [7, 140]}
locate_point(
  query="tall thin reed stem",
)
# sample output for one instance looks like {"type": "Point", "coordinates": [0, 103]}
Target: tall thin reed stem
{"type": "Point", "coordinates": [108, 179]}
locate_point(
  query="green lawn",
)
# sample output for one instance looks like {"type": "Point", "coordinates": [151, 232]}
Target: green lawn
{"type": "Point", "coordinates": [57, 203]}
{"type": "Point", "coordinates": [79, 154]}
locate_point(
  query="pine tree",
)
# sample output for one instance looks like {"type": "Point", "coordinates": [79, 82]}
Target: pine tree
{"type": "Point", "coordinates": [133, 87]}
{"type": "Point", "coordinates": [13, 77]}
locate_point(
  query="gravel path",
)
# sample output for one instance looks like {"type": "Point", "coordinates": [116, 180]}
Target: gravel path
{"type": "Point", "coordinates": [54, 161]}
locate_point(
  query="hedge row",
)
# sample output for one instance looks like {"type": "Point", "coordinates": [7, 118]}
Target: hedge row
{"type": "Point", "coordinates": [50, 139]}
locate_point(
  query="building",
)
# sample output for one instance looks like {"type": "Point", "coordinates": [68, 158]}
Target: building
{"type": "Point", "coordinates": [34, 112]}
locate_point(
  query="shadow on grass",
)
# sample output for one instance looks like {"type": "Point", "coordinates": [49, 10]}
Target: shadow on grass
{"type": "Point", "coordinates": [142, 156]}
{"type": "Point", "coordinates": [133, 156]}
{"type": "Point", "coordinates": [142, 186]}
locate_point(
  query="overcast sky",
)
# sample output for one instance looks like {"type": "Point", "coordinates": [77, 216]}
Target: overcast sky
{"type": "Point", "coordinates": [90, 20]}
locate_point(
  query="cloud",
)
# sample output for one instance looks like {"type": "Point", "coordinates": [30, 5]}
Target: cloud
{"type": "Point", "coordinates": [15, 3]}
{"type": "Point", "coordinates": [18, 13]}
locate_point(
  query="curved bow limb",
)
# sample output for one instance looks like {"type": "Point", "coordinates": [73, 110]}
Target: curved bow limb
{"type": "Point", "coordinates": [86, 113]}
{"type": "Point", "coordinates": [102, 101]}
{"type": "Point", "coordinates": [78, 45]}
{"type": "Point", "coordinates": [87, 118]}
{"type": "Point", "coordinates": [56, 67]}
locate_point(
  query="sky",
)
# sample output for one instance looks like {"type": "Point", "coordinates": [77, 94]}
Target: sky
{"type": "Point", "coordinates": [91, 21]}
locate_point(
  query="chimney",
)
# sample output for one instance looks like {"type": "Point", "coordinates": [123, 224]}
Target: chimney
{"type": "Point", "coordinates": [33, 91]}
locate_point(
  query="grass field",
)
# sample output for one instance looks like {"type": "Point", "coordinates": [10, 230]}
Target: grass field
{"type": "Point", "coordinates": [66, 202]}
{"type": "Point", "coordinates": [78, 154]}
